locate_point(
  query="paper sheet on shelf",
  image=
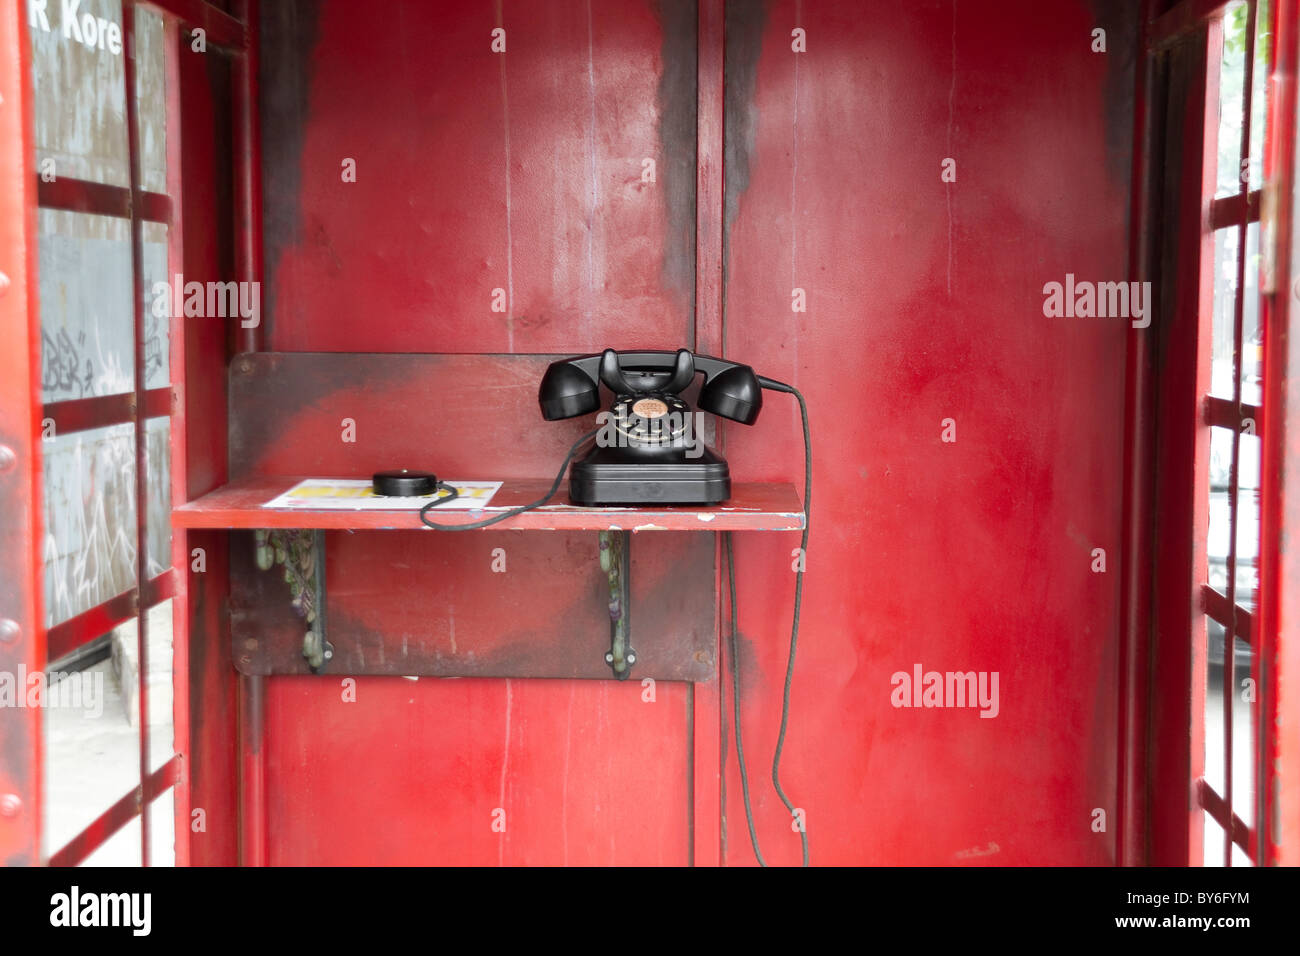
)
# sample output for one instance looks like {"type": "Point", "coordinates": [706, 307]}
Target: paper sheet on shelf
{"type": "Point", "coordinates": [358, 494]}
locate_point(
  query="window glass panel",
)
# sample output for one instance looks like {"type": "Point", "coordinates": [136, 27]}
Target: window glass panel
{"type": "Point", "coordinates": [89, 502]}
{"type": "Point", "coordinates": [1232, 79]}
{"type": "Point", "coordinates": [1252, 335]}
{"type": "Point", "coordinates": [157, 328]}
{"type": "Point", "coordinates": [1225, 304]}
{"type": "Point", "coordinates": [92, 758]}
{"type": "Point", "coordinates": [79, 91]}
{"type": "Point", "coordinates": [1213, 635]}
{"type": "Point", "coordinates": [126, 672]}
{"type": "Point", "coordinates": [1217, 539]}
{"type": "Point", "coordinates": [1248, 522]}
{"type": "Point", "coordinates": [1259, 91]}
{"type": "Point", "coordinates": [151, 100]}
{"type": "Point", "coordinates": [85, 300]}
{"type": "Point", "coordinates": [158, 515]}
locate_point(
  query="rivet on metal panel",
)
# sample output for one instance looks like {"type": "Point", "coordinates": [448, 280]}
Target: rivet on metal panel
{"type": "Point", "coordinates": [10, 805]}
{"type": "Point", "coordinates": [244, 366]}
{"type": "Point", "coordinates": [9, 630]}
{"type": "Point", "coordinates": [7, 458]}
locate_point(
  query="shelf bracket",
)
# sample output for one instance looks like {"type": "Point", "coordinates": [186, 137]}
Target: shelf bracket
{"type": "Point", "coordinates": [616, 562]}
{"type": "Point", "coordinates": [302, 554]}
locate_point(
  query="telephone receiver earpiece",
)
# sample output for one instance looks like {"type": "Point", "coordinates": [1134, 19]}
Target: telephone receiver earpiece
{"type": "Point", "coordinates": [733, 393]}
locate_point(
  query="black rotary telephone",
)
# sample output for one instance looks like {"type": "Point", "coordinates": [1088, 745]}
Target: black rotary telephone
{"type": "Point", "coordinates": [648, 450]}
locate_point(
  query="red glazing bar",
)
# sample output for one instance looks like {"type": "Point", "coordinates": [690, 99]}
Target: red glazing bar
{"type": "Point", "coordinates": [252, 771]}
{"type": "Point", "coordinates": [101, 199]}
{"type": "Point", "coordinates": [705, 699]}
{"type": "Point", "coordinates": [1241, 417]}
{"type": "Point", "coordinates": [1135, 614]}
{"type": "Point", "coordinates": [141, 438]}
{"type": "Point", "coordinates": [1216, 606]}
{"type": "Point", "coordinates": [1227, 211]}
{"type": "Point", "coordinates": [117, 816]}
{"type": "Point", "coordinates": [1235, 827]}
{"type": "Point", "coordinates": [248, 167]}
{"type": "Point", "coordinates": [67, 636]}
{"type": "Point", "coordinates": [100, 411]}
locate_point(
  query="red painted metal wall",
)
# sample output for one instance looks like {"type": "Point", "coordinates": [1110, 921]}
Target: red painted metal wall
{"type": "Point", "coordinates": [478, 171]}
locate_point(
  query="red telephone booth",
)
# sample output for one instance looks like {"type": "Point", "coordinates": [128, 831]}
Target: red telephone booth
{"type": "Point", "coordinates": [1029, 268]}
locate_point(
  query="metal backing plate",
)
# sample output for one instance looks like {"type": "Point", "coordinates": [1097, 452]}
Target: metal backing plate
{"type": "Point", "coordinates": [482, 604]}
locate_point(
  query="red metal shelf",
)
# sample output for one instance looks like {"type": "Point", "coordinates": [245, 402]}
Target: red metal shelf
{"type": "Point", "coordinates": [753, 506]}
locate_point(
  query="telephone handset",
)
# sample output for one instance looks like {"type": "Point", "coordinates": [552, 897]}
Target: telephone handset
{"type": "Point", "coordinates": [648, 449]}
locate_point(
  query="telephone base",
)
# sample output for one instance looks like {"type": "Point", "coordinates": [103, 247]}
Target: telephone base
{"type": "Point", "coordinates": [606, 477]}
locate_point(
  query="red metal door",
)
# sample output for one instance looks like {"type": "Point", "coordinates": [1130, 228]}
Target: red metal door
{"type": "Point", "coordinates": [21, 637]}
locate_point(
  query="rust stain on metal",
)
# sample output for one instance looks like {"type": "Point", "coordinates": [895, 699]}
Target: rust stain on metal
{"type": "Point", "coordinates": [745, 22]}
{"type": "Point", "coordinates": [1119, 18]}
{"type": "Point", "coordinates": [677, 108]}
{"type": "Point", "coordinates": [289, 33]}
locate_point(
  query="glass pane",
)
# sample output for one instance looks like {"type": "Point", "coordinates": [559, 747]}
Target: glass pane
{"type": "Point", "coordinates": [1243, 737]}
{"type": "Point", "coordinates": [1224, 317]}
{"type": "Point", "coordinates": [126, 671]}
{"type": "Point", "coordinates": [1259, 91]}
{"type": "Point", "coordinates": [89, 503]}
{"type": "Point", "coordinates": [1213, 707]}
{"type": "Point", "coordinates": [87, 332]}
{"type": "Point", "coordinates": [1248, 522]}
{"type": "Point", "coordinates": [157, 328]}
{"type": "Point", "coordinates": [92, 758]}
{"type": "Point", "coordinates": [1217, 539]}
{"type": "Point", "coordinates": [1232, 81]}
{"type": "Point", "coordinates": [1252, 335]}
{"type": "Point", "coordinates": [158, 515]}
{"type": "Point", "coordinates": [151, 100]}
{"type": "Point", "coordinates": [79, 91]}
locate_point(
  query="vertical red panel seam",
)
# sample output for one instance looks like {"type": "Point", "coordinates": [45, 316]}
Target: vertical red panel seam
{"type": "Point", "coordinates": [1134, 676]}
{"type": "Point", "coordinates": [708, 724]}
{"type": "Point", "coordinates": [253, 847]}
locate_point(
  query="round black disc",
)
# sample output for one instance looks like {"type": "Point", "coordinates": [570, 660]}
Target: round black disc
{"type": "Point", "coordinates": [405, 484]}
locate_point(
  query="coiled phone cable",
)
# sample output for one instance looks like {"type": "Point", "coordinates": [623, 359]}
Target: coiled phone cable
{"type": "Point", "coordinates": [794, 641]}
